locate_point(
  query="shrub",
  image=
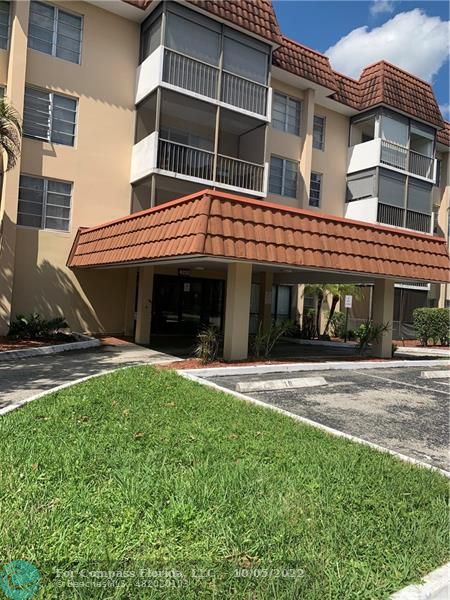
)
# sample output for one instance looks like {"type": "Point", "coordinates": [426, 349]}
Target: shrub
{"type": "Point", "coordinates": [264, 342]}
{"type": "Point", "coordinates": [309, 329]}
{"type": "Point", "coordinates": [432, 324]}
{"type": "Point", "coordinates": [33, 326]}
{"type": "Point", "coordinates": [207, 344]}
{"type": "Point", "coordinates": [368, 333]}
{"type": "Point", "coordinates": [338, 324]}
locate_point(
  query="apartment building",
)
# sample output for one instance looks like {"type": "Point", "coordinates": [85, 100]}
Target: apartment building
{"type": "Point", "coordinates": [184, 163]}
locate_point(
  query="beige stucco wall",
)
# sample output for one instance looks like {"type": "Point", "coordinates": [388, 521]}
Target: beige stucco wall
{"type": "Point", "coordinates": [98, 166]}
{"type": "Point", "coordinates": [332, 161]}
{"type": "Point", "coordinates": [441, 198]}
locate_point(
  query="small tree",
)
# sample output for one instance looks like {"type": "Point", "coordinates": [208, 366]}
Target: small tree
{"type": "Point", "coordinates": [337, 292]}
{"type": "Point", "coordinates": [10, 133]}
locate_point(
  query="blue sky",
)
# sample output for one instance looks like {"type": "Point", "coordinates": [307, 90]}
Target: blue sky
{"type": "Point", "coordinates": [413, 35]}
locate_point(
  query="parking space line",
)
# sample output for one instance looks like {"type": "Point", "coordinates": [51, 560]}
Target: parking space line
{"type": "Point", "coordinates": [418, 387]}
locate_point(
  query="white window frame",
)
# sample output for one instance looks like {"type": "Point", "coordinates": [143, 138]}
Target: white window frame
{"type": "Point", "coordinates": [50, 118]}
{"type": "Point", "coordinates": [324, 119]}
{"type": "Point", "coordinates": [288, 97]}
{"type": "Point", "coordinates": [57, 10]}
{"type": "Point", "coordinates": [283, 176]}
{"type": "Point", "coordinates": [44, 205]}
{"type": "Point", "coordinates": [320, 190]}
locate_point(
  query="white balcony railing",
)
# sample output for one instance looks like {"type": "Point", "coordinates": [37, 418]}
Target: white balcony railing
{"type": "Point", "coordinates": [402, 158]}
{"type": "Point", "coordinates": [201, 78]}
{"type": "Point", "coordinates": [190, 74]}
{"type": "Point", "coordinates": [240, 173]}
{"type": "Point", "coordinates": [244, 93]}
{"type": "Point", "coordinates": [199, 164]}
{"type": "Point", "coordinates": [185, 160]}
{"type": "Point", "coordinates": [421, 165]}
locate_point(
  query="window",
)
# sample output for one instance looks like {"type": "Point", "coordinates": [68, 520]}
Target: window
{"type": "Point", "coordinates": [49, 116]}
{"type": "Point", "coordinates": [319, 132]}
{"type": "Point", "coordinates": [315, 189]}
{"type": "Point", "coordinates": [4, 24]}
{"type": "Point", "coordinates": [419, 196]}
{"type": "Point", "coordinates": [193, 39]}
{"type": "Point", "coordinates": [55, 31]}
{"type": "Point", "coordinates": [281, 303]}
{"type": "Point", "coordinates": [438, 172]}
{"type": "Point", "coordinates": [241, 59]}
{"type": "Point", "coordinates": [44, 203]}
{"type": "Point", "coordinates": [286, 113]}
{"type": "Point", "coordinates": [391, 188]}
{"type": "Point", "coordinates": [283, 177]}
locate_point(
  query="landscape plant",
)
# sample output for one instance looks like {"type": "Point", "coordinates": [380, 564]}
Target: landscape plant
{"type": "Point", "coordinates": [33, 327]}
{"type": "Point", "coordinates": [265, 340]}
{"type": "Point", "coordinates": [432, 324]}
{"type": "Point", "coordinates": [369, 333]}
{"type": "Point", "coordinates": [208, 343]}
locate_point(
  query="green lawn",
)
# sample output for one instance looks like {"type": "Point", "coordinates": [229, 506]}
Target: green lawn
{"type": "Point", "coordinates": [142, 469]}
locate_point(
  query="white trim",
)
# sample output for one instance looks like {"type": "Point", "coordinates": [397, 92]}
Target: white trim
{"type": "Point", "coordinates": [84, 343]}
{"type": "Point", "coordinates": [435, 586]}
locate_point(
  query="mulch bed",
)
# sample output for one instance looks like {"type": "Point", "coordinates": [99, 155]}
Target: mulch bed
{"type": "Point", "coordinates": [7, 343]}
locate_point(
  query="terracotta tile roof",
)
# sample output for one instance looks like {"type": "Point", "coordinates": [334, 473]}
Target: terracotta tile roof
{"type": "Point", "coordinates": [347, 91]}
{"type": "Point", "coordinates": [383, 83]}
{"type": "Point", "coordinates": [256, 16]}
{"type": "Point", "coordinates": [443, 135]}
{"type": "Point", "coordinates": [304, 62]}
{"type": "Point", "coordinates": [216, 224]}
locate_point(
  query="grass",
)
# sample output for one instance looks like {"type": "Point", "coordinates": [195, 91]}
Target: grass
{"type": "Point", "coordinates": [142, 469]}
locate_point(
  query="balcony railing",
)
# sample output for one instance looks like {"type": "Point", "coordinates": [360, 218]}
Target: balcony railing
{"type": "Point", "coordinates": [240, 173]}
{"type": "Point", "coordinates": [244, 93]}
{"type": "Point", "coordinates": [400, 157]}
{"type": "Point", "coordinates": [419, 164]}
{"type": "Point", "coordinates": [201, 78]}
{"type": "Point", "coordinates": [195, 162]}
{"type": "Point", "coordinates": [398, 217]}
{"type": "Point", "coordinates": [186, 160]}
{"type": "Point", "coordinates": [390, 215]}
{"type": "Point", "coordinates": [190, 74]}
{"type": "Point", "coordinates": [418, 221]}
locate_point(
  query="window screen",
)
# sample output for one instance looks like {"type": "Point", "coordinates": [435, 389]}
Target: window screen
{"type": "Point", "coordinates": [44, 203]}
{"type": "Point", "coordinates": [192, 39]}
{"type": "Point", "coordinates": [55, 31]}
{"type": "Point", "coordinates": [391, 188]}
{"type": "Point", "coordinates": [245, 61]}
{"type": "Point", "coordinates": [360, 185]}
{"type": "Point", "coordinates": [419, 196]}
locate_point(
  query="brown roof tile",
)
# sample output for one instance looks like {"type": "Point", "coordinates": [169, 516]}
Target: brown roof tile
{"type": "Point", "coordinates": [347, 91]}
{"type": "Point", "coordinates": [212, 223]}
{"type": "Point", "coordinates": [304, 62]}
{"type": "Point", "coordinates": [443, 135]}
{"type": "Point", "coordinates": [256, 16]}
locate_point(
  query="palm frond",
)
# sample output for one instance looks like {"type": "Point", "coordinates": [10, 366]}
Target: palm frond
{"type": "Point", "coordinates": [10, 133]}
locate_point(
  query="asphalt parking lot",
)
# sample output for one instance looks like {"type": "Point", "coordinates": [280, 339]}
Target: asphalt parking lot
{"type": "Point", "coordinates": [403, 409]}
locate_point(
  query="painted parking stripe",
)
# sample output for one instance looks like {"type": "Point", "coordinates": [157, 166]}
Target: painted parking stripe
{"type": "Point", "coordinates": [279, 384]}
{"type": "Point", "coordinates": [436, 374]}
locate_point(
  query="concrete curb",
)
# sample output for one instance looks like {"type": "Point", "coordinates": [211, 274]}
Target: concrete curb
{"type": "Point", "coordinates": [425, 351]}
{"type": "Point", "coordinates": [193, 377]}
{"type": "Point", "coordinates": [435, 587]}
{"type": "Point", "coordinates": [84, 342]}
{"type": "Point", "coordinates": [310, 366]}
{"type": "Point", "coordinates": [63, 386]}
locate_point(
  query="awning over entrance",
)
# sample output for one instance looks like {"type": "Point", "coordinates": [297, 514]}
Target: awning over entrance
{"type": "Point", "coordinates": [212, 224]}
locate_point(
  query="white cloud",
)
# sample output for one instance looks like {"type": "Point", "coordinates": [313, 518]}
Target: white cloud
{"type": "Point", "coordinates": [381, 6]}
{"type": "Point", "coordinates": [445, 110]}
{"type": "Point", "coordinates": [412, 40]}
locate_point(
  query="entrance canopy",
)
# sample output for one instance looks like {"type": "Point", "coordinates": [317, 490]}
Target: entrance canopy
{"type": "Point", "coordinates": [212, 225]}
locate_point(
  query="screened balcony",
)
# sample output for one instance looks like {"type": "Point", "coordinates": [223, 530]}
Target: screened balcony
{"type": "Point", "coordinates": [385, 138]}
{"type": "Point", "coordinates": [201, 56]}
{"type": "Point", "coordinates": [187, 144]}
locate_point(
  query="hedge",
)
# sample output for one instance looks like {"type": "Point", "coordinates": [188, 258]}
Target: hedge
{"type": "Point", "coordinates": [432, 324]}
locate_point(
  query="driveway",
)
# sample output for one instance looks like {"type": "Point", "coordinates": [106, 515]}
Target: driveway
{"type": "Point", "coordinates": [403, 409]}
{"type": "Point", "coordinates": [20, 379]}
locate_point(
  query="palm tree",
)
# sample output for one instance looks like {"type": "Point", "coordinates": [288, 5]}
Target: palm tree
{"type": "Point", "coordinates": [337, 291]}
{"type": "Point", "coordinates": [10, 133]}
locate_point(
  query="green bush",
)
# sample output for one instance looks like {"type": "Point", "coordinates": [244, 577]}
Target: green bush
{"type": "Point", "coordinates": [338, 324]}
{"type": "Point", "coordinates": [368, 333]}
{"type": "Point", "coordinates": [265, 341]}
{"type": "Point", "coordinates": [432, 324]}
{"type": "Point", "coordinates": [33, 326]}
{"type": "Point", "coordinates": [309, 329]}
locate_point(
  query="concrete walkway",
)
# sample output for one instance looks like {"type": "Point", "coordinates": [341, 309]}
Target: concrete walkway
{"type": "Point", "coordinates": [27, 377]}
